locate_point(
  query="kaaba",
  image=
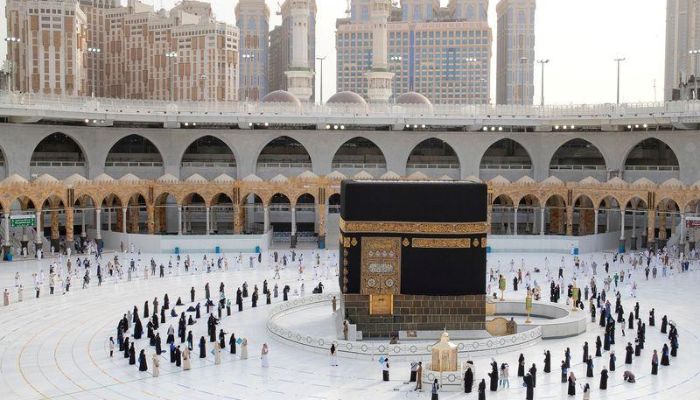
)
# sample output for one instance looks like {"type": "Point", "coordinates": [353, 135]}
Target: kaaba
{"type": "Point", "coordinates": [413, 255]}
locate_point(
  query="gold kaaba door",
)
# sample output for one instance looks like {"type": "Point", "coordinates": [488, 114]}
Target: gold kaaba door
{"type": "Point", "coordinates": [381, 304]}
{"type": "Point", "coordinates": [381, 265]}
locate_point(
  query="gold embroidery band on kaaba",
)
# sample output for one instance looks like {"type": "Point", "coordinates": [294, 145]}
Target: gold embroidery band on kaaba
{"type": "Point", "coordinates": [444, 228]}
{"type": "Point", "coordinates": [442, 243]}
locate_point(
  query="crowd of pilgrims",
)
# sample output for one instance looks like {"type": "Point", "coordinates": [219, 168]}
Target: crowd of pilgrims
{"type": "Point", "coordinates": [64, 271]}
{"type": "Point", "coordinates": [180, 343]}
{"type": "Point", "coordinates": [602, 313]}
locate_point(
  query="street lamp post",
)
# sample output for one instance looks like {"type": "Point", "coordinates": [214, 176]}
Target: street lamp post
{"type": "Point", "coordinates": [93, 52]}
{"type": "Point", "coordinates": [10, 63]}
{"type": "Point", "coordinates": [321, 59]}
{"type": "Point", "coordinates": [695, 53]}
{"type": "Point", "coordinates": [171, 55]}
{"type": "Point", "coordinates": [618, 61]}
{"type": "Point", "coordinates": [542, 63]}
{"type": "Point", "coordinates": [396, 60]}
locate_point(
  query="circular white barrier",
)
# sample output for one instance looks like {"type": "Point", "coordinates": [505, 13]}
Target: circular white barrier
{"type": "Point", "coordinates": [371, 349]}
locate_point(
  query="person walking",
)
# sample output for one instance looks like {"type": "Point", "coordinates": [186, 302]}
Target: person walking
{"type": "Point", "coordinates": [435, 390]}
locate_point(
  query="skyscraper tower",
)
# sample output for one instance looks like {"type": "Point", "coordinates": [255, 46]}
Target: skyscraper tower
{"type": "Point", "coordinates": [682, 37]}
{"type": "Point", "coordinates": [515, 53]}
{"type": "Point", "coordinates": [300, 76]}
{"type": "Point", "coordinates": [253, 20]}
{"type": "Point", "coordinates": [379, 78]}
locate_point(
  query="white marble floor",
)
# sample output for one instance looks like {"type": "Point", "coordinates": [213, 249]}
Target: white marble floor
{"type": "Point", "coordinates": [56, 346]}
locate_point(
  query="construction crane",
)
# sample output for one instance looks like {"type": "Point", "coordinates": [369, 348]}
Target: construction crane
{"type": "Point", "coordinates": [348, 8]}
{"type": "Point", "coordinates": [279, 9]}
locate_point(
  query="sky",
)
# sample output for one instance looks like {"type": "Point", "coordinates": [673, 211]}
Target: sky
{"type": "Point", "coordinates": [579, 37]}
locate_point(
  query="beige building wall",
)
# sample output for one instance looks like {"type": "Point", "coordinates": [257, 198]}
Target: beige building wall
{"type": "Point", "coordinates": [49, 56]}
{"type": "Point", "coordinates": [446, 58]}
{"type": "Point", "coordinates": [515, 53]}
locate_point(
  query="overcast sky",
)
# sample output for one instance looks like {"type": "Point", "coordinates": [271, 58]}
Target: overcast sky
{"type": "Point", "coordinates": [580, 37]}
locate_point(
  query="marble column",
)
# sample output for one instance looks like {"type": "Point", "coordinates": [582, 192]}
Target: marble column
{"type": "Point", "coordinates": [207, 220]}
{"type": "Point", "coordinates": [681, 240]}
{"type": "Point", "coordinates": [651, 224]}
{"type": "Point", "coordinates": [124, 220]}
{"type": "Point", "coordinates": [39, 230]}
{"type": "Point", "coordinates": [109, 219]}
{"type": "Point", "coordinates": [69, 227]}
{"type": "Point", "coordinates": [98, 224]}
{"type": "Point", "coordinates": [569, 221]}
{"type": "Point", "coordinates": [83, 233]}
{"type": "Point", "coordinates": [322, 215]}
{"type": "Point", "coordinates": [237, 222]}
{"type": "Point", "coordinates": [622, 231]}
{"type": "Point", "coordinates": [7, 230]}
{"type": "Point", "coordinates": [179, 220]}
{"type": "Point", "coordinates": [595, 221]}
{"type": "Point", "coordinates": [542, 220]}
{"type": "Point", "coordinates": [266, 219]}
{"type": "Point", "coordinates": [515, 221]}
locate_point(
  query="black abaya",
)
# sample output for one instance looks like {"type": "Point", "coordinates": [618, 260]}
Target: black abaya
{"type": "Point", "coordinates": [202, 348]}
{"type": "Point", "coordinates": [604, 379]}
{"type": "Point", "coordinates": [468, 380]}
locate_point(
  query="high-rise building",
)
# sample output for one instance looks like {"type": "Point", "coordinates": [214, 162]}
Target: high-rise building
{"type": "Point", "coordinates": [515, 52]}
{"type": "Point", "coordinates": [442, 53]}
{"type": "Point", "coordinates": [253, 21]}
{"type": "Point", "coordinates": [99, 47]}
{"type": "Point", "coordinates": [47, 43]}
{"type": "Point", "coordinates": [682, 37]}
{"type": "Point", "coordinates": [280, 60]}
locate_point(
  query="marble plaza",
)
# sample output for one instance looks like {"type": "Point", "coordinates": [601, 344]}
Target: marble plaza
{"type": "Point", "coordinates": [56, 346]}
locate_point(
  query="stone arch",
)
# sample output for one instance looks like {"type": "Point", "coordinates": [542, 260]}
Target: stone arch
{"type": "Point", "coordinates": [639, 153]}
{"type": "Point", "coordinates": [433, 157]}
{"type": "Point", "coordinates": [252, 212]}
{"type": "Point", "coordinates": [334, 203]}
{"type": "Point", "coordinates": [208, 156]}
{"type": "Point", "coordinates": [221, 213]}
{"type": "Point", "coordinates": [305, 208]}
{"type": "Point", "coordinates": [60, 155]}
{"type": "Point", "coordinates": [502, 214]}
{"type": "Point", "coordinates": [556, 214]}
{"type": "Point", "coordinates": [528, 214]}
{"type": "Point", "coordinates": [194, 213]}
{"type": "Point", "coordinates": [283, 152]}
{"type": "Point", "coordinates": [667, 217]}
{"type": "Point", "coordinates": [136, 212]}
{"type": "Point", "coordinates": [584, 215]}
{"type": "Point", "coordinates": [578, 154]}
{"type": "Point", "coordinates": [359, 153]}
{"type": "Point", "coordinates": [651, 158]}
{"type": "Point", "coordinates": [134, 154]}
{"type": "Point", "coordinates": [52, 208]}
{"type": "Point", "coordinates": [165, 213]}
{"type": "Point", "coordinates": [506, 157]}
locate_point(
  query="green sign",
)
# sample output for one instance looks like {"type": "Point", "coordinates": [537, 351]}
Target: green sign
{"type": "Point", "coordinates": [18, 221]}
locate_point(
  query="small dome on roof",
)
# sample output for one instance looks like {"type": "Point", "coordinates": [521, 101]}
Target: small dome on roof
{"type": "Point", "coordinates": [130, 178]}
{"type": "Point", "coordinates": [224, 178]}
{"type": "Point", "coordinates": [103, 178]}
{"type": "Point", "coordinates": [196, 178]}
{"type": "Point", "coordinates": [307, 175]}
{"type": "Point", "coordinates": [413, 99]}
{"type": "Point", "coordinates": [168, 178]}
{"type": "Point", "coordinates": [552, 180]}
{"type": "Point", "coordinates": [252, 178]}
{"type": "Point", "coordinates": [75, 179]}
{"type": "Point", "coordinates": [346, 97]}
{"type": "Point", "coordinates": [390, 175]}
{"type": "Point", "coordinates": [279, 178]}
{"type": "Point", "coordinates": [673, 182]}
{"type": "Point", "coordinates": [45, 178]}
{"type": "Point", "coordinates": [643, 182]}
{"type": "Point", "coordinates": [336, 175]}
{"type": "Point", "coordinates": [499, 180]}
{"type": "Point", "coordinates": [14, 178]}
{"type": "Point", "coordinates": [280, 97]}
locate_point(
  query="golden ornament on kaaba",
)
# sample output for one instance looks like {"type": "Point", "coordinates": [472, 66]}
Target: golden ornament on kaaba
{"type": "Point", "coordinates": [406, 242]}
